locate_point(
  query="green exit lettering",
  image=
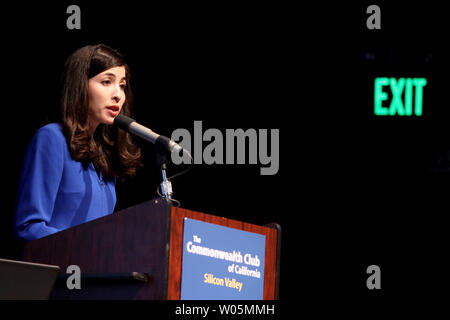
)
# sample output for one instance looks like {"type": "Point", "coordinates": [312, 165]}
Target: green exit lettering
{"type": "Point", "coordinates": [401, 104]}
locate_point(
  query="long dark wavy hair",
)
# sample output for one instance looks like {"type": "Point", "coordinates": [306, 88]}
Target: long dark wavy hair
{"type": "Point", "coordinates": [111, 150]}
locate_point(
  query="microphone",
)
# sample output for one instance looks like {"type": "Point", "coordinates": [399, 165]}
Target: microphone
{"type": "Point", "coordinates": [131, 126]}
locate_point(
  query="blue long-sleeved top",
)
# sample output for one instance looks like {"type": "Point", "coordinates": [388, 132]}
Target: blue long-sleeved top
{"type": "Point", "coordinates": [56, 192]}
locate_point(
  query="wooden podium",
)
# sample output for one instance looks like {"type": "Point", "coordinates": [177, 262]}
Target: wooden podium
{"type": "Point", "coordinates": [136, 253]}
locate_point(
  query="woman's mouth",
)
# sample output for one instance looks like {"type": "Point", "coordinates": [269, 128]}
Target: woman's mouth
{"type": "Point", "coordinates": [113, 110]}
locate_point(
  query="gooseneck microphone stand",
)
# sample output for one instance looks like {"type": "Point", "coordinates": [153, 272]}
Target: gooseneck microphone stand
{"type": "Point", "coordinates": [163, 147]}
{"type": "Point", "coordinates": [161, 162]}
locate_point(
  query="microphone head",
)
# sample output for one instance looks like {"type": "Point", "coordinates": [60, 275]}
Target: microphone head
{"type": "Point", "coordinates": [122, 122]}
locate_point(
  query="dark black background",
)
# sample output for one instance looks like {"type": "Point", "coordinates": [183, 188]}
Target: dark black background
{"type": "Point", "coordinates": [352, 189]}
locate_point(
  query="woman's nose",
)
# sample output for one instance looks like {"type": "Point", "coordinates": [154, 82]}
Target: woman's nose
{"type": "Point", "coordinates": [117, 94]}
{"type": "Point", "coordinates": [116, 98]}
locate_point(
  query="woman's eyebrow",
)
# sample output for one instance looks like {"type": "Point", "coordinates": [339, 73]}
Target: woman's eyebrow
{"type": "Point", "coordinates": [113, 75]}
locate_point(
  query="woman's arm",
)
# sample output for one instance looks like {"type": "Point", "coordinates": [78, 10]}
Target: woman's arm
{"type": "Point", "coordinates": [38, 185]}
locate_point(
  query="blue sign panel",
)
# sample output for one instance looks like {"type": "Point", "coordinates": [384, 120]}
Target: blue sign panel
{"type": "Point", "coordinates": [221, 263]}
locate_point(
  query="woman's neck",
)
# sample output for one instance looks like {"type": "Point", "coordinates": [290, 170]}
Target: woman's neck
{"type": "Point", "coordinates": [92, 127]}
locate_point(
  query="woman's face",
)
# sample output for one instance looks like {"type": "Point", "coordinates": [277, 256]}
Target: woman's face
{"type": "Point", "coordinates": [106, 96]}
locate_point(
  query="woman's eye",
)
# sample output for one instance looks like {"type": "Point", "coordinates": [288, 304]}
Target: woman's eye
{"type": "Point", "coordinates": [123, 86]}
{"type": "Point", "coordinates": [106, 82]}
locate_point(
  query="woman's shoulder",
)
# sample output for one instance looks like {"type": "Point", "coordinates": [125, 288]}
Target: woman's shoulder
{"type": "Point", "coordinates": [51, 129]}
{"type": "Point", "coordinates": [51, 133]}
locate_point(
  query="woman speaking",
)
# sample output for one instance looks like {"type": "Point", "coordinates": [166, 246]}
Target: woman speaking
{"type": "Point", "coordinates": [70, 168]}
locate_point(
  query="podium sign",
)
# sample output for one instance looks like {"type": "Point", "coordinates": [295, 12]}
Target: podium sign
{"type": "Point", "coordinates": [221, 263]}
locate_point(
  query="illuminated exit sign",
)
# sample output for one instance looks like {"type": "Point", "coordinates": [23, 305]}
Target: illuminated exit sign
{"type": "Point", "coordinates": [399, 96]}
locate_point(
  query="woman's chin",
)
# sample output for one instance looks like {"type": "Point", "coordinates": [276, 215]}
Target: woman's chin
{"type": "Point", "coordinates": [108, 121]}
